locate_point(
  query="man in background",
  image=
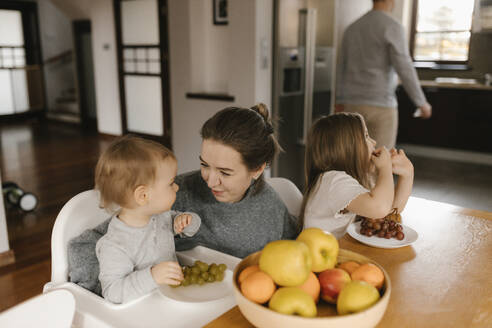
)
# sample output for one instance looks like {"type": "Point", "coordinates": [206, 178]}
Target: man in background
{"type": "Point", "coordinates": [373, 54]}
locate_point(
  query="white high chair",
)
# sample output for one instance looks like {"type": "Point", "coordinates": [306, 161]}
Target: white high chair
{"type": "Point", "coordinates": [78, 214]}
{"type": "Point", "coordinates": [288, 192]}
{"type": "Point", "coordinates": [82, 212]}
{"type": "Point", "coordinates": [54, 309]}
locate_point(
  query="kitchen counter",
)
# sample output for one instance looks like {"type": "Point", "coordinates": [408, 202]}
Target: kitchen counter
{"type": "Point", "coordinates": [455, 84]}
{"type": "Point", "coordinates": [461, 117]}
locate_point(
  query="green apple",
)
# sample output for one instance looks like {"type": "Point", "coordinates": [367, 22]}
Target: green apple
{"type": "Point", "coordinates": [323, 247]}
{"type": "Point", "coordinates": [293, 300]}
{"type": "Point", "coordinates": [356, 296]}
{"type": "Point", "coordinates": [288, 262]}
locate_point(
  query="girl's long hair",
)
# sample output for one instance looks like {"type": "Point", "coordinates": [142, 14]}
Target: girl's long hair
{"type": "Point", "coordinates": [336, 142]}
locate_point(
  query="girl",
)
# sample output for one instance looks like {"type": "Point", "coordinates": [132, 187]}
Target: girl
{"type": "Point", "coordinates": [137, 253]}
{"type": "Point", "coordinates": [341, 167]}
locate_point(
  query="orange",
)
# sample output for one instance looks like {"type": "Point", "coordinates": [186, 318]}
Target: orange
{"type": "Point", "coordinates": [369, 273]}
{"type": "Point", "coordinates": [246, 272]}
{"type": "Point", "coordinates": [349, 266]}
{"type": "Point", "coordinates": [258, 287]}
{"type": "Point", "coordinates": [312, 286]}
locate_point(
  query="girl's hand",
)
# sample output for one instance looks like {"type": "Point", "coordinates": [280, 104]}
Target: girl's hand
{"type": "Point", "coordinates": [169, 273]}
{"type": "Point", "coordinates": [400, 163]}
{"type": "Point", "coordinates": [381, 158]}
{"type": "Point", "coordinates": [181, 221]}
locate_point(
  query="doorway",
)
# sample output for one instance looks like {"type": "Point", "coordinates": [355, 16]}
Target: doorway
{"type": "Point", "coordinates": [143, 66]}
{"type": "Point", "coordinates": [85, 74]}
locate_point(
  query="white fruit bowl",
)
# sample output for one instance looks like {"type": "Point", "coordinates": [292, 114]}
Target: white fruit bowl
{"type": "Point", "coordinates": [262, 317]}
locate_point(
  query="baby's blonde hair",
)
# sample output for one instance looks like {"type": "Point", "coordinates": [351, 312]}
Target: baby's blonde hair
{"type": "Point", "coordinates": [127, 163]}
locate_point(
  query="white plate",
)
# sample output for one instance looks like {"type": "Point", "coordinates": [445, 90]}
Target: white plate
{"type": "Point", "coordinates": [205, 293]}
{"type": "Point", "coordinates": [375, 241]}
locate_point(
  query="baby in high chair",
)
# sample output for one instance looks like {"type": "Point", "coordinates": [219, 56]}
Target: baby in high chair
{"type": "Point", "coordinates": [135, 178]}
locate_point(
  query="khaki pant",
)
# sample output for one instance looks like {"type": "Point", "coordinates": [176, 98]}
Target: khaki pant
{"type": "Point", "coordinates": [381, 122]}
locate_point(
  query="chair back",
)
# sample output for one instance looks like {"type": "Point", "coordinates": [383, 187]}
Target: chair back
{"type": "Point", "coordinates": [288, 192]}
{"type": "Point", "coordinates": [78, 214]}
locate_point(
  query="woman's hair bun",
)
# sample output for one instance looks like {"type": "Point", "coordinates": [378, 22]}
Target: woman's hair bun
{"type": "Point", "coordinates": [262, 109]}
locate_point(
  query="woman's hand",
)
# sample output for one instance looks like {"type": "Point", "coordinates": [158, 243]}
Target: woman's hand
{"type": "Point", "coordinates": [400, 163]}
{"type": "Point", "coordinates": [169, 273]}
{"type": "Point", "coordinates": [381, 159]}
{"type": "Point", "coordinates": [181, 222]}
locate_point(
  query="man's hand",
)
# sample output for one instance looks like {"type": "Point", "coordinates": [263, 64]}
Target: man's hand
{"type": "Point", "coordinates": [426, 110]}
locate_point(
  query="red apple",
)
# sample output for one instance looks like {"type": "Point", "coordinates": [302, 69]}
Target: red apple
{"type": "Point", "coordinates": [332, 282]}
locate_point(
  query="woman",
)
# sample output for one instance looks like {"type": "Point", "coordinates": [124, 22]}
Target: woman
{"type": "Point", "coordinates": [240, 212]}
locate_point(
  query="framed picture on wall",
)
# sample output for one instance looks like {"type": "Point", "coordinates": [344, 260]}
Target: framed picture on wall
{"type": "Point", "coordinates": [220, 12]}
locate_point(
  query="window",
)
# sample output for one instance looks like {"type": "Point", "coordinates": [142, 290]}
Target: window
{"type": "Point", "coordinates": [13, 83]}
{"type": "Point", "coordinates": [442, 30]}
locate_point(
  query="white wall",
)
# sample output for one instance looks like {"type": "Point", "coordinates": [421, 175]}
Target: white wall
{"type": "Point", "coordinates": [247, 80]}
{"type": "Point", "coordinates": [209, 49]}
{"type": "Point", "coordinates": [105, 67]}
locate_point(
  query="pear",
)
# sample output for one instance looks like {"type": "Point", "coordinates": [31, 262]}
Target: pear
{"type": "Point", "coordinates": [356, 296]}
{"type": "Point", "coordinates": [293, 300]}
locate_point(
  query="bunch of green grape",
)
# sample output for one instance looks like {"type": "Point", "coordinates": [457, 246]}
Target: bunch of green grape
{"type": "Point", "coordinates": [201, 273]}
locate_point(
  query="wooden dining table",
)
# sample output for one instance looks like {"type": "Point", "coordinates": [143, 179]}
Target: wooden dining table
{"type": "Point", "coordinates": [443, 279]}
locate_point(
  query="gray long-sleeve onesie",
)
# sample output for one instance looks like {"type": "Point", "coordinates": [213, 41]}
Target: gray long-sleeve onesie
{"type": "Point", "coordinates": [126, 254]}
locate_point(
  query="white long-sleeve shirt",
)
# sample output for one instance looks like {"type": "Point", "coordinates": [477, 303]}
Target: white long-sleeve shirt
{"type": "Point", "coordinates": [373, 54]}
{"type": "Point", "coordinates": [126, 254]}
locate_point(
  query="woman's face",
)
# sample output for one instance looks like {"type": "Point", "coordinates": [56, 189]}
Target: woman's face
{"type": "Point", "coordinates": [224, 171]}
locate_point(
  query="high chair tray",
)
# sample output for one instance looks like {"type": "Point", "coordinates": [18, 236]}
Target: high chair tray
{"type": "Point", "coordinates": [187, 306]}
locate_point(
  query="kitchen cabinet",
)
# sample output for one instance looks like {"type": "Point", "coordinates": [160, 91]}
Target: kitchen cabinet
{"type": "Point", "coordinates": [461, 119]}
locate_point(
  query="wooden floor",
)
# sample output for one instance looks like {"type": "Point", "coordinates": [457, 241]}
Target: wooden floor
{"type": "Point", "coordinates": [467, 185]}
{"type": "Point", "coordinates": [54, 161]}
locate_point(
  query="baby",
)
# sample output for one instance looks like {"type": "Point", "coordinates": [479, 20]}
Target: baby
{"type": "Point", "coordinates": [135, 178]}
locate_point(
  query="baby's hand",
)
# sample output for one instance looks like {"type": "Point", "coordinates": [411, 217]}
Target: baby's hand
{"type": "Point", "coordinates": [181, 221]}
{"type": "Point", "coordinates": [381, 158]}
{"type": "Point", "coordinates": [169, 273]}
{"type": "Point", "coordinates": [400, 163]}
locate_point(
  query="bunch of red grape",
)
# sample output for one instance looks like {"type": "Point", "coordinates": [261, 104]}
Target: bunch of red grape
{"type": "Point", "coordinates": [382, 228]}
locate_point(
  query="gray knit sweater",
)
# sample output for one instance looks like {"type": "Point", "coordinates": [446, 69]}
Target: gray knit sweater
{"type": "Point", "coordinates": [373, 52]}
{"type": "Point", "coordinates": [238, 229]}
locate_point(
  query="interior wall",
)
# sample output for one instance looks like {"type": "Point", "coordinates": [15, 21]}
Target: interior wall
{"type": "Point", "coordinates": [247, 79]}
{"type": "Point", "coordinates": [209, 45]}
{"type": "Point", "coordinates": [105, 67]}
